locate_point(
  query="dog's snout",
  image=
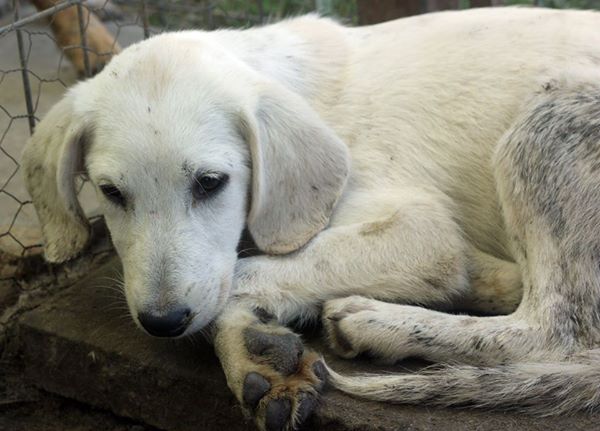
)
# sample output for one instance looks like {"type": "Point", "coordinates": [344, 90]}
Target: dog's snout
{"type": "Point", "coordinates": [171, 324]}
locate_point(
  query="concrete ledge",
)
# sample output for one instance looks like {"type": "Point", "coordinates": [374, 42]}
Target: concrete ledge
{"type": "Point", "coordinates": [83, 345]}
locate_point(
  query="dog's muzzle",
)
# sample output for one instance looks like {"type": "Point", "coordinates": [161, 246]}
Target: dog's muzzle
{"type": "Point", "coordinates": [172, 324]}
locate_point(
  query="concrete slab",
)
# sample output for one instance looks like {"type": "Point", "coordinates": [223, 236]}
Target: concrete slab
{"type": "Point", "coordinates": [82, 344]}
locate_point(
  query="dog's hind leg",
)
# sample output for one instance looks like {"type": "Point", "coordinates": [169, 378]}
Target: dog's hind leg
{"type": "Point", "coordinates": [495, 285]}
{"type": "Point", "coordinates": [544, 357]}
{"type": "Point", "coordinates": [392, 332]}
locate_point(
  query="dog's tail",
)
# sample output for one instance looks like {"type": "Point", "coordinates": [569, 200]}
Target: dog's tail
{"type": "Point", "coordinates": [537, 388]}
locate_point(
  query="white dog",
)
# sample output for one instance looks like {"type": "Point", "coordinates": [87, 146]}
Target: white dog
{"type": "Point", "coordinates": [449, 161]}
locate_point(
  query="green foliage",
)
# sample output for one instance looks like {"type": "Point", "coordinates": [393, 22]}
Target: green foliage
{"type": "Point", "coordinates": [277, 9]}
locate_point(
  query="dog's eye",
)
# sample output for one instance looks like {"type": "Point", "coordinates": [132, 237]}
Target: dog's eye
{"type": "Point", "coordinates": [113, 194]}
{"type": "Point", "coordinates": [206, 184]}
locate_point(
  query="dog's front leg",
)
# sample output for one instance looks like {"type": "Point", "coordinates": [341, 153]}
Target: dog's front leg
{"type": "Point", "coordinates": [273, 376]}
{"type": "Point", "coordinates": [398, 246]}
{"type": "Point", "coordinates": [378, 254]}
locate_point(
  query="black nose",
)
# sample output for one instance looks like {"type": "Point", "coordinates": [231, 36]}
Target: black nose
{"type": "Point", "coordinates": [171, 324]}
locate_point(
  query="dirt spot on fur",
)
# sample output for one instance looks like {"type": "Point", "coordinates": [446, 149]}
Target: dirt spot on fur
{"type": "Point", "coordinates": [377, 228]}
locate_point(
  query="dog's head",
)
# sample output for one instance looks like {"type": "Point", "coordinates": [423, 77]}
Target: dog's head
{"type": "Point", "coordinates": [186, 145]}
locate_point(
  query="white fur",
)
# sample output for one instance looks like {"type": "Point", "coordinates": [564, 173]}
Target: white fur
{"type": "Point", "coordinates": [418, 105]}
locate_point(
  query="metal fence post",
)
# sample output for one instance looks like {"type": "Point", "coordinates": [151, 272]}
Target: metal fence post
{"type": "Point", "coordinates": [24, 74]}
{"type": "Point", "coordinates": [210, 19]}
{"type": "Point", "coordinates": [145, 23]}
{"type": "Point", "coordinates": [261, 10]}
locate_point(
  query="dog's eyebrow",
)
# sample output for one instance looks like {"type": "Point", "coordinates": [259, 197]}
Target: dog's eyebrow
{"type": "Point", "coordinates": [186, 167]}
{"type": "Point", "coordinates": [107, 180]}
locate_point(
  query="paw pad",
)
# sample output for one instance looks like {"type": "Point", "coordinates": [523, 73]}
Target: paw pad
{"type": "Point", "coordinates": [277, 414]}
{"type": "Point", "coordinates": [280, 351]}
{"type": "Point", "coordinates": [282, 385]}
{"type": "Point", "coordinates": [255, 388]}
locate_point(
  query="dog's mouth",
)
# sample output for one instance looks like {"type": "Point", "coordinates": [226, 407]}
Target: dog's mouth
{"type": "Point", "coordinates": [171, 333]}
{"type": "Point", "coordinates": [182, 328]}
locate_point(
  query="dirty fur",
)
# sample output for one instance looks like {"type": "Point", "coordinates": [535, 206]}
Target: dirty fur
{"type": "Point", "coordinates": [442, 162]}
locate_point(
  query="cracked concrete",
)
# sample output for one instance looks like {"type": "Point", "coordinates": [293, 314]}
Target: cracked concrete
{"type": "Point", "coordinates": [82, 344]}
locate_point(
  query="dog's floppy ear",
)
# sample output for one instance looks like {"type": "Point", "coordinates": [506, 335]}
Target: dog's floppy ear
{"type": "Point", "coordinates": [51, 160]}
{"type": "Point", "coordinates": [299, 169]}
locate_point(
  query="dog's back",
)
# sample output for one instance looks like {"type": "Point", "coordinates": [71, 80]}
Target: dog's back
{"type": "Point", "coordinates": [427, 99]}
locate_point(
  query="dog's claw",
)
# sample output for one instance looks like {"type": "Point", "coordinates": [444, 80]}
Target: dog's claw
{"type": "Point", "coordinates": [307, 405]}
{"type": "Point", "coordinates": [321, 373]}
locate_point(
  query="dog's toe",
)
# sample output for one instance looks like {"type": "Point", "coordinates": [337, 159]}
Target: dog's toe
{"type": "Point", "coordinates": [277, 414]}
{"type": "Point", "coordinates": [255, 388]}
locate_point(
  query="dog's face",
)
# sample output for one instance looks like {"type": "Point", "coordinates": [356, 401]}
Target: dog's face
{"type": "Point", "coordinates": [186, 146]}
{"type": "Point", "coordinates": [173, 180]}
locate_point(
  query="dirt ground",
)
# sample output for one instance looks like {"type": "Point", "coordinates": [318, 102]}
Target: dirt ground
{"type": "Point", "coordinates": [26, 408]}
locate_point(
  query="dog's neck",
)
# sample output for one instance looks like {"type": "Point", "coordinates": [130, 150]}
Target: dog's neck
{"type": "Point", "coordinates": [313, 66]}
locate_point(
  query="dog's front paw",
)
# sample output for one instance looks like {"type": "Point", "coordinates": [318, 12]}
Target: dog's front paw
{"type": "Point", "coordinates": [275, 378]}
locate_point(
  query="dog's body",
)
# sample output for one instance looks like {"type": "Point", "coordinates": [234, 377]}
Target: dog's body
{"type": "Point", "coordinates": [473, 139]}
